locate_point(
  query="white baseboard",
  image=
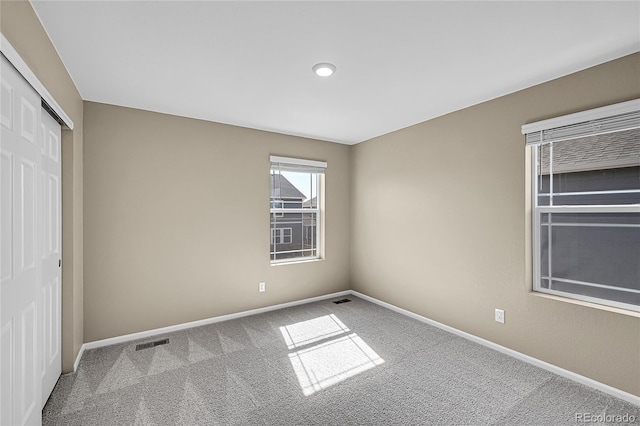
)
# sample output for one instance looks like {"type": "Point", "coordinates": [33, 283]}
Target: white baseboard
{"type": "Point", "coordinates": [79, 357]}
{"type": "Point", "coordinates": [186, 325]}
{"type": "Point", "coordinates": [610, 390]}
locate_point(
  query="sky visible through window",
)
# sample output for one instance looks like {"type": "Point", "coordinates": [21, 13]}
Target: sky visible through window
{"type": "Point", "coordinates": [305, 182]}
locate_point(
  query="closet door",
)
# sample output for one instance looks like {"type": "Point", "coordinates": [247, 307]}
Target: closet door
{"type": "Point", "coordinates": [20, 343]}
{"type": "Point", "coordinates": [50, 284]}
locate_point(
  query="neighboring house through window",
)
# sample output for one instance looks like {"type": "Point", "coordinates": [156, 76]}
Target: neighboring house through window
{"type": "Point", "coordinates": [295, 209]}
{"type": "Point", "coordinates": [586, 187]}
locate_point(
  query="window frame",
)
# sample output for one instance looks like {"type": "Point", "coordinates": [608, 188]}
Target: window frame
{"type": "Point", "coordinates": [538, 211]}
{"type": "Point", "coordinates": [300, 166]}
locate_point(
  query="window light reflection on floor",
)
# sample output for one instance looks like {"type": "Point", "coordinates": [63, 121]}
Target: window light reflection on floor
{"type": "Point", "coordinates": [314, 330]}
{"type": "Point", "coordinates": [331, 361]}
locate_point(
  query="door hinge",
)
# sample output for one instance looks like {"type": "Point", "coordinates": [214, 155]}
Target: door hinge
{"type": "Point", "coordinates": [59, 263]}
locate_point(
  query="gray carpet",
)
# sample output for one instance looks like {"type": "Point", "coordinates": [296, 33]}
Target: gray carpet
{"type": "Point", "coordinates": [319, 364]}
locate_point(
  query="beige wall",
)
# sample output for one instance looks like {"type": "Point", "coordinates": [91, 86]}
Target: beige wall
{"type": "Point", "coordinates": [439, 227]}
{"type": "Point", "coordinates": [177, 221]}
{"type": "Point", "coordinates": [21, 27]}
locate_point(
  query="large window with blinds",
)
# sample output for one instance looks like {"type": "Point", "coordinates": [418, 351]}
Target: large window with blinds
{"type": "Point", "coordinates": [586, 205]}
{"type": "Point", "coordinates": [295, 209]}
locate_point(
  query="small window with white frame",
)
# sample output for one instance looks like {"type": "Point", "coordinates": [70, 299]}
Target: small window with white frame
{"type": "Point", "coordinates": [281, 236]}
{"type": "Point", "coordinates": [586, 205]}
{"type": "Point", "coordinates": [295, 206]}
{"type": "Point", "coordinates": [277, 204]}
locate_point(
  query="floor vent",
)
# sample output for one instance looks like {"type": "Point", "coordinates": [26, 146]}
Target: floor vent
{"type": "Point", "coordinates": [337, 302]}
{"type": "Point", "coordinates": [151, 344]}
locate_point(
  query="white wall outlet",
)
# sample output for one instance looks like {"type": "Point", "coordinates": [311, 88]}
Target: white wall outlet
{"type": "Point", "coordinates": [262, 287]}
{"type": "Point", "coordinates": [500, 316]}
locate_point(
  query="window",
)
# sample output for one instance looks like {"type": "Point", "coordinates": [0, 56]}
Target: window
{"type": "Point", "coordinates": [586, 206]}
{"type": "Point", "coordinates": [277, 204]}
{"type": "Point", "coordinates": [295, 206]}
{"type": "Point", "coordinates": [280, 236]}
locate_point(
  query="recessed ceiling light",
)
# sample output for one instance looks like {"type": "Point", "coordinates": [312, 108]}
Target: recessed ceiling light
{"type": "Point", "coordinates": [324, 69]}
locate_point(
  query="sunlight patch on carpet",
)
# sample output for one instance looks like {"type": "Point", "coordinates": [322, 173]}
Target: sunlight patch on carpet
{"type": "Point", "coordinates": [306, 332]}
{"type": "Point", "coordinates": [330, 362]}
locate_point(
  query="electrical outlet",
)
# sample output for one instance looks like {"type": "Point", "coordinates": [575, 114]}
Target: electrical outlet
{"type": "Point", "coordinates": [262, 287]}
{"type": "Point", "coordinates": [500, 316]}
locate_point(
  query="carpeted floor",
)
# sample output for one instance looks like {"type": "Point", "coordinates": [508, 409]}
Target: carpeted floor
{"type": "Point", "coordinates": [322, 363]}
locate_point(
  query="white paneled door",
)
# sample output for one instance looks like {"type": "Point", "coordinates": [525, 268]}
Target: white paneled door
{"type": "Point", "coordinates": [51, 254]}
{"type": "Point", "coordinates": [29, 241]}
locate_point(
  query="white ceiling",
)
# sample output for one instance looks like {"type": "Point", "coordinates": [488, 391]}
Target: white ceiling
{"type": "Point", "coordinates": [399, 63]}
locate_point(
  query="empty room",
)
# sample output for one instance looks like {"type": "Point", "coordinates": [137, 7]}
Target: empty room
{"type": "Point", "coordinates": [319, 212]}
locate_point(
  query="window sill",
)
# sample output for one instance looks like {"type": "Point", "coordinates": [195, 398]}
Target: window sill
{"type": "Point", "coordinates": [295, 262]}
{"type": "Point", "coordinates": [586, 304]}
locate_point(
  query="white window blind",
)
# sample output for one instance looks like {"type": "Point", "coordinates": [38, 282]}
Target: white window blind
{"type": "Point", "coordinates": [599, 121]}
{"type": "Point", "coordinates": [287, 164]}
